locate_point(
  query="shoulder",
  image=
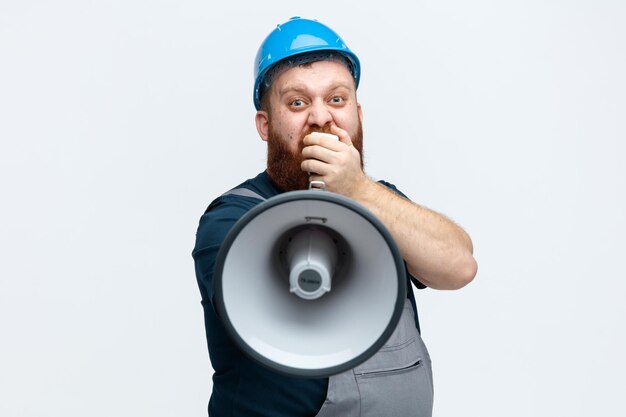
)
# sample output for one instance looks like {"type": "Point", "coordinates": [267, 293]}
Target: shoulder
{"type": "Point", "coordinates": [392, 187]}
{"type": "Point", "coordinates": [221, 216]}
{"type": "Point", "coordinates": [261, 185]}
{"type": "Point", "coordinates": [224, 211]}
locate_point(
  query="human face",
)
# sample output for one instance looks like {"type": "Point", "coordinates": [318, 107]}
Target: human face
{"type": "Point", "coordinates": [302, 100]}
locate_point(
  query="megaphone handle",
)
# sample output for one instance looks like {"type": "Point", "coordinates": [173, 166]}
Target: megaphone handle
{"type": "Point", "coordinates": [317, 185]}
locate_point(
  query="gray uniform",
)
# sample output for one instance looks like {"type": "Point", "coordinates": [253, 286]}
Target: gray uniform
{"type": "Point", "coordinates": [395, 382]}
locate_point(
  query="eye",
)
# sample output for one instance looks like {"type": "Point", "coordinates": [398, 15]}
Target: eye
{"type": "Point", "coordinates": [337, 100]}
{"type": "Point", "coordinates": [297, 103]}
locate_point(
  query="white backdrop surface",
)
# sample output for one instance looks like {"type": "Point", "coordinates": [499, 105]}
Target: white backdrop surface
{"type": "Point", "coordinates": [121, 120]}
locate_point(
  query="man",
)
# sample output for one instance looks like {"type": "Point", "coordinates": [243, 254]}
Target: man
{"type": "Point", "coordinates": [306, 81]}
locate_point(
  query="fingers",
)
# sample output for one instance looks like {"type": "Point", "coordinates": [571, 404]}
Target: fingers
{"type": "Point", "coordinates": [324, 161]}
{"type": "Point", "coordinates": [342, 134]}
{"type": "Point", "coordinates": [335, 162]}
{"type": "Point", "coordinates": [330, 142]}
{"type": "Point", "coordinates": [324, 141]}
{"type": "Point", "coordinates": [322, 150]}
{"type": "Point", "coordinates": [316, 168]}
{"type": "Point", "coordinates": [318, 152]}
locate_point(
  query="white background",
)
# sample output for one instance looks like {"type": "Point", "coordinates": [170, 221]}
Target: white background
{"type": "Point", "coordinates": [121, 120]}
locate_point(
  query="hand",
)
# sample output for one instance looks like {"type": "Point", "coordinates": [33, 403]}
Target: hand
{"type": "Point", "coordinates": [337, 163]}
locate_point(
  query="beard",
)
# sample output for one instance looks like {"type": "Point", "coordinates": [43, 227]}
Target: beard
{"type": "Point", "coordinates": [284, 166]}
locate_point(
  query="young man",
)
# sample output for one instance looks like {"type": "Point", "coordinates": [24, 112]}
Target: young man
{"type": "Point", "coordinates": [306, 81]}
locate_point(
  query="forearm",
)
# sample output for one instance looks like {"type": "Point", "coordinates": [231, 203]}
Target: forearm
{"type": "Point", "coordinates": [437, 251]}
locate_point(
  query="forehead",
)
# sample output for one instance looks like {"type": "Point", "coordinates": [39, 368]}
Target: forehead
{"type": "Point", "coordinates": [314, 76]}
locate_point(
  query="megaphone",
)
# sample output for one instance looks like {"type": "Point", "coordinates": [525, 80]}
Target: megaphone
{"type": "Point", "coordinates": [309, 283]}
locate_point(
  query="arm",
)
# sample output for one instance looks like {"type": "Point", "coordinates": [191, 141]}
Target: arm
{"type": "Point", "coordinates": [437, 251]}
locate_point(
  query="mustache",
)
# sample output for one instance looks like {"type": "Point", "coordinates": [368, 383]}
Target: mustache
{"type": "Point", "coordinates": [319, 129]}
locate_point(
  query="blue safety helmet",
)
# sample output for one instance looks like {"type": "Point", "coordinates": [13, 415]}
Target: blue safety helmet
{"type": "Point", "coordinates": [295, 37]}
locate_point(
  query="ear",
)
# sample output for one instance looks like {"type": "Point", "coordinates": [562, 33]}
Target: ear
{"type": "Point", "coordinates": [359, 112]}
{"type": "Point", "coordinates": [262, 124]}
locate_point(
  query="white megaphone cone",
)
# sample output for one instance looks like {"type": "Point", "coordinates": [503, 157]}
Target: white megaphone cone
{"type": "Point", "coordinates": [309, 283]}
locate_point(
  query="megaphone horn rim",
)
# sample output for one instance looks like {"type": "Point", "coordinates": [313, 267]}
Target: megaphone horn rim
{"type": "Point", "coordinates": [330, 197]}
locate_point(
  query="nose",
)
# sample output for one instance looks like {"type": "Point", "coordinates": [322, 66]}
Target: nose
{"type": "Point", "coordinates": [319, 114]}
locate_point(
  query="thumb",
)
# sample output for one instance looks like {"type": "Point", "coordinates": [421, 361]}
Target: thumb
{"type": "Point", "coordinates": [343, 136]}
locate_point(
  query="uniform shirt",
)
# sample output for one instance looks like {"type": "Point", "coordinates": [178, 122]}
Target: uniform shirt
{"type": "Point", "coordinates": [241, 387]}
